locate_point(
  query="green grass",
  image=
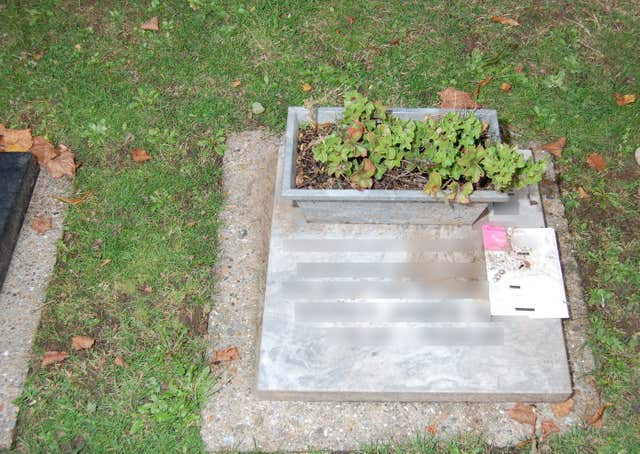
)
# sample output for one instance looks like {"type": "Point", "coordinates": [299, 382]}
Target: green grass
{"type": "Point", "coordinates": [104, 86]}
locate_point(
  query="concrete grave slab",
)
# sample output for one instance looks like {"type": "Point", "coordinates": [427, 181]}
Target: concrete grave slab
{"type": "Point", "coordinates": [236, 418]}
{"type": "Point", "coordinates": [23, 295]}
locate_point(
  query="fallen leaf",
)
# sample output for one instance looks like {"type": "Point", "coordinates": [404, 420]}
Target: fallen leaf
{"type": "Point", "coordinates": [15, 139]}
{"type": "Point", "coordinates": [38, 55]}
{"type": "Point", "coordinates": [236, 83]}
{"type": "Point", "coordinates": [119, 361]}
{"type": "Point", "coordinates": [456, 99]}
{"type": "Point", "coordinates": [257, 108]}
{"type": "Point", "coordinates": [394, 42]}
{"type": "Point", "coordinates": [42, 223]}
{"type": "Point", "coordinates": [623, 100]}
{"type": "Point", "coordinates": [77, 47]}
{"type": "Point", "coordinates": [74, 200]}
{"type": "Point", "coordinates": [596, 419]}
{"type": "Point", "coordinates": [518, 69]}
{"type": "Point", "coordinates": [152, 24]}
{"type": "Point", "coordinates": [431, 429]}
{"type": "Point", "coordinates": [548, 428]}
{"type": "Point", "coordinates": [523, 413]}
{"type": "Point", "coordinates": [140, 155]}
{"type": "Point", "coordinates": [147, 290]}
{"type": "Point", "coordinates": [351, 20]}
{"type": "Point", "coordinates": [229, 354]}
{"type": "Point", "coordinates": [583, 195]}
{"type": "Point", "coordinates": [43, 150]}
{"type": "Point", "coordinates": [52, 357]}
{"type": "Point", "coordinates": [82, 342]}
{"type": "Point", "coordinates": [481, 84]}
{"type": "Point", "coordinates": [505, 20]}
{"type": "Point", "coordinates": [105, 262]}
{"type": "Point", "coordinates": [505, 86]}
{"type": "Point", "coordinates": [306, 87]}
{"type": "Point", "coordinates": [63, 164]}
{"type": "Point", "coordinates": [597, 162]}
{"type": "Point", "coordinates": [555, 147]}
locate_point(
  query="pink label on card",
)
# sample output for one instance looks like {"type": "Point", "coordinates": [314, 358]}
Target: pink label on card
{"type": "Point", "coordinates": [494, 238]}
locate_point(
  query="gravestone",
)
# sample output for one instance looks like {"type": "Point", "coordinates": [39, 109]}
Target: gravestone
{"type": "Point", "coordinates": [18, 174]}
{"type": "Point", "coordinates": [380, 312]}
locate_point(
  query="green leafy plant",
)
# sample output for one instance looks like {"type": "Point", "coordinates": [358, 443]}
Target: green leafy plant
{"type": "Point", "coordinates": [450, 151]}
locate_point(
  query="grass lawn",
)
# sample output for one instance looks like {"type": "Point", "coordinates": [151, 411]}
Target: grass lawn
{"type": "Point", "coordinates": [103, 87]}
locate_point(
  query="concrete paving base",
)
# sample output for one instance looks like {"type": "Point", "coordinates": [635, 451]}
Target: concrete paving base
{"type": "Point", "coordinates": [23, 294]}
{"type": "Point", "coordinates": [236, 419]}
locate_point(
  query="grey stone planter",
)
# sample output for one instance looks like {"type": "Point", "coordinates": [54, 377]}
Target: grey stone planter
{"type": "Point", "coordinates": [380, 206]}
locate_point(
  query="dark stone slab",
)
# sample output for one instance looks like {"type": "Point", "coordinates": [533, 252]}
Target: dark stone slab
{"type": "Point", "coordinates": [18, 174]}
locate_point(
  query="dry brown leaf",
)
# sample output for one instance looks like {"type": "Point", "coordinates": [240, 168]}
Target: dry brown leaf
{"type": "Point", "coordinates": [38, 55]}
{"type": "Point", "coordinates": [15, 139]}
{"type": "Point", "coordinates": [597, 162]}
{"type": "Point", "coordinates": [229, 354]}
{"type": "Point", "coordinates": [505, 86]}
{"type": "Point", "coordinates": [63, 164]}
{"type": "Point", "coordinates": [105, 262]}
{"type": "Point", "coordinates": [119, 361]}
{"type": "Point", "coordinates": [623, 100]}
{"type": "Point", "coordinates": [518, 69]}
{"type": "Point", "coordinates": [74, 200]}
{"type": "Point", "coordinates": [523, 413]}
{"type": "Point", "coordinates": [394, 42]}
{"type": "Point", "coordinates": [306, 87]}
{"type": "Point", "coordinates": [42, 224]}
{"type": "Point", "coordinates": [147, 289]}
{"type": "Point", "coordinates": [596, 419]}
{"type": "Point", "coordinates": [236, 83]}
{"type": "Point", "coordinates": [43, 150]}
{"type": "Point", "coordinates": [548, 428]}
{"type": "Point", "coordinates": [140, 155]}
{"type": "Point", "coordinates": [152, 24]}
{"type": "Point", "coordinates": [52, 357]}
{"type": "Point", "coordinates": [481, 84]}
{"type": "Point", "coordinates": [456, 99]}
{"type": "Point", "coordinates": [505, 20]}
{"type": "Point", "coordinates": [82, 342]}
{"type": "Point", "coordinates": [583, 195]}
{"type": "Point", "coordinates": [555, 147]}
{"type": "Point", "coordinates": [562, 409]}
{"type": "Point", "coordinates": [351, 20]}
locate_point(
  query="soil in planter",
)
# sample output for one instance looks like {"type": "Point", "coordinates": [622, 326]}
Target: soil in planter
{"type": "Point", "coordinates": [311, 174]}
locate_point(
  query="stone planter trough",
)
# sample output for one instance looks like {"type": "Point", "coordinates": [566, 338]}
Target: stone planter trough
{"type": "Point", "coordinates": [381, 206]}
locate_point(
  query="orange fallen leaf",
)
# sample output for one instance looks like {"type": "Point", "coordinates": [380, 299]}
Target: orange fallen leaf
{"type": "Point", "coordinates": [597, 162]}
{"type": "Point", "coordinates": [505, 20]}
{"type": "Point", "coordinates": [152, 24]}
{"type": "Point", "coordinates": [229, 354]}
{"type": "Point", "coordinates": [306, 87]}
{"type": "Point", "coordinates": [63, 164]}
{"type": "Point", "coordinates": [351, 20]}
{"type": "Point", "coordinates": [15, 139]}
{"type": "Point", "coordinates": [548, 428]}
{"type": "Point", "coordinates": [52, 357]}
{"type": "Point", "coordinates": [431, 429]}
{"type": "Point", "coordinates": [74, 200]}
{"type": "Point", "coordinates": [105, 262]}
{"type": "Point", "coordinates": [481, 84]}
{"type": "Point", "coordinates": [518, 69]}
{"type": "Point", "coordinates": [38, 55]}
{"type": "Point", "coordinates": [42, 224]}
{"type": "Point", "coordinates": [596, 419]}
{"type": "Point", "coordinates": [119, 361]}
{"type": "Point", "coordinates": [457, 99]}
{"type": "Point", "coordinates": [505, 86]}
{"type": "Point", "coordinates": [140, 155]}
{"type": "Point", "coordinates": [523, 413]}
{"type": "Point", "coordinates": [555, 147]}
{"type": "Point", "coordinates": [82, 342]}
{"type": "Point", "coordinates": [43, 150]}
{"type": "Point", "coordinates": [562, 409]}
{"type": "Point", "coordinates": [583, 195]}
{"type": "Point", "coordinates": [236, 83]}
{"type": "Point", "coordinates": [623, 100]}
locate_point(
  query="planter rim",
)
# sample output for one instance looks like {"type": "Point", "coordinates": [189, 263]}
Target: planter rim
{"type": "Point", "coordinates": [323, 114]}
